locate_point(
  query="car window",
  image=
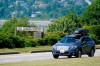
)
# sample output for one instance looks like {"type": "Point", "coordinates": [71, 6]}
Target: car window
{"type": "Point", "coordinates": [86, 39]}
{"type": "Point", "coordinates": [89, 39]}
{"type": "Point", "coordinates": [68, 40]}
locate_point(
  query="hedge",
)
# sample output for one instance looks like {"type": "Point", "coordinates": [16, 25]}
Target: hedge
{"type": "Point", "coordinates": [94, 32]}
{"type": "Point", "coordinates": [11, 41]}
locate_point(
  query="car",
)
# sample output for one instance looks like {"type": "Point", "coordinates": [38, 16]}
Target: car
{"type": "Point", "coordinates": [76, 44]}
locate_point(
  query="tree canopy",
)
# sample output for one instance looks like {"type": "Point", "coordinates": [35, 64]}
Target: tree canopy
{"type": "Point", "coordinates": [10, 25]}
{"type": "Point", "coordinates": [42, 9]}
{"type": "Point", "coordinates": [91, 16]}
{"type": "Point", "coordinates": [66, 23]}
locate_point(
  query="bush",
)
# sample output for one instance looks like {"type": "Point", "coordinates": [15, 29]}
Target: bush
{"type": "Point", "coordinates": [52, 38]}
{"type": "Point", "coordinates": [10, 41]}
{"type": "Point", "coordinates": [94, 32]}
{"type": "Point", "coordinates": [2, 40]}
{"type": "Point", "coordinates": [30, 43]}
{"type": "Point", "coordinates": [19, 41]}
{"type": "Point", "coordinates": [94, 38]}
{"type": "Point", "coordinates": [41, 42]}
{"type": "Point", "coordinates": [55, 34]}
{"type": "Point", "coordinates": [6, 41]}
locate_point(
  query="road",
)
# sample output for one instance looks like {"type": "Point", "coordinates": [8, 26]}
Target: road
{"type": "Point", "coordinates": [32, 57]}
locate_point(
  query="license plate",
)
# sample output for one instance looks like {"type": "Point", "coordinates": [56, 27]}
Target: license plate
{"type": "Point", "coordinates": [62, 51]}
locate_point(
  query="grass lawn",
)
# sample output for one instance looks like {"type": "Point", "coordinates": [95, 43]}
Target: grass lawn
{"type": "Point", "coordinates": [94, 61]}
{"type": "Point", "coordinates": [26, 50]}
{"type": "Point", "coordinates": [98, 46]}
{"type": "Point", "coordinates": [29, 49]}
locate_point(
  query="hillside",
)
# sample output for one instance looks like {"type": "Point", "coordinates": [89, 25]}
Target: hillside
{"type": "Point", "coordinates": [41, 9]}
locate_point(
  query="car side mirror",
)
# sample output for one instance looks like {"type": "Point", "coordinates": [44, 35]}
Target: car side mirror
{"type": "Point", "coordinates": [84, 42]}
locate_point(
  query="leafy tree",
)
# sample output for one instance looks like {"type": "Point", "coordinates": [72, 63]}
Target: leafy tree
{"type": "Point", "coordinates": [92, 15]}
{"type": "Point", "coordinates": [10, 25]}
{"type": "Point", "coordinates": [50, 9]}
{"type": "Point", "coordinates": [66, 23]}
{"type": "Point", "coordinates": [94, 32]}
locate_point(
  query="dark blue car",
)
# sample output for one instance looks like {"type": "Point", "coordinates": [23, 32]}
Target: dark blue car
{"type": "Point", "coordinates": [74, 45]}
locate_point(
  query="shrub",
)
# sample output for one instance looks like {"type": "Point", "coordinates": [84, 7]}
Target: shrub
{"type": "Point", "coordinates": [19, 42]}
{"type": "Point", "coordinates": [6, 41]}
{"type": "Point", "coordinates": [94, 31]}
{"type": "Point", "coordinates": [37, 42]}
{"type": "Point", "coordinates": [10, 41]}
{"type": "Point", "coordinates": [94, 38]}
{"type": "Point", "coordinates": [2, 39]}
{"type": "Point", "coordinates": [41, 42]}
{"type": "Point", "coordinates": [30, 43]}
{"type": "Point", "coordinates": [52, 38]}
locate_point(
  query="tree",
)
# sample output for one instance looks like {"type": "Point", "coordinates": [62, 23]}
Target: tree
{"type": "Point", "coordinates": [66, 23]}
{"type": "Point", "coordinates": [49, 8]}
{"type": "Point", "coordinates": [10, 25]}
{"type": "Point", "coordinates": [92, 14]}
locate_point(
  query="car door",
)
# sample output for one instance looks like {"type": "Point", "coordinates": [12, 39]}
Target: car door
{"type": "Point", "coordinates": [89, 44]}
{"type": "Point", "coordinates": [84, 45]}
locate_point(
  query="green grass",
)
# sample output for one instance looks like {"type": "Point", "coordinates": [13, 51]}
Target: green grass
{"type": "Point", "coordinates": [26, 50]}
{"type": "Point", "coordinates": [29, 49]}
{"type": "Point", "coordinates": [98, 46]}
{"type": "Point", "coordinates": [94, 61]}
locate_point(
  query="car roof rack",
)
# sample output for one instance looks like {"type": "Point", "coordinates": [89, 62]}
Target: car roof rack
{"type": "Point", "coordinates": [82, 31]}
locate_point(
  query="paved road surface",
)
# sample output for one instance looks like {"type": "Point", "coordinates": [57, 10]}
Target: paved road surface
{"type": "Point", "coordinates": [32, 57]}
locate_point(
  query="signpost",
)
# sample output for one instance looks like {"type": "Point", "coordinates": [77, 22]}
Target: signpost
{"type": "Point", "coordinates": [38, 31]}
{"type": "Point", "coordinates": [35, 29]}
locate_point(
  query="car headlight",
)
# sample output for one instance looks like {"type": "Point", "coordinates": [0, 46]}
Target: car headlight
{"type": "Point", "coordinates": [54, 47]}
{"type": "Point", "coordinates": [73, 47]}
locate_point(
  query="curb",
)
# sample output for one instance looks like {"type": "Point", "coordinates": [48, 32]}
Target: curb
{"type": "Point", "coordinates": [97, 48]}
{"type": "Point", "coordinates": [9, 53]}
{"type": "Point", "coordinates": [40, 51]}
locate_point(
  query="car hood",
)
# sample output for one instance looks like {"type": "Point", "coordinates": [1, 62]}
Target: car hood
{"type": "Point", "coordinates": [66, 44]}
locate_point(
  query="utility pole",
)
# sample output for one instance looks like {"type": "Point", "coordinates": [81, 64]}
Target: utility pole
{"type": "Point", "coordinates": [16, 8]}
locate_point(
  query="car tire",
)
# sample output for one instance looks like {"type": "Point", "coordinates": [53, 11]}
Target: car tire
{"type": "Point", "coordinates": [78, 54]}
{"type": "Point", "coordinates": [91, 54]}
{"type": "Point", "coordinates": [56, 56]}
{"type": "Point", "coordinates": [69, 56]}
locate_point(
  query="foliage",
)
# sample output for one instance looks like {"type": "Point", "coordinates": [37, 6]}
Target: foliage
{"type": "Point", "coordinates": [66, 23]}
{"type": "Point", "coordinates": [53, 37]}
{"type": "Point", "coordinates": [49, 9]}
{"type": "Point", "coordinates": [94, 31]}
{"type": "Point", "coordinates": [10, 41]}
{"type": "Point", "coordinates": [29, 42]}
{"type": "Point", "coordinates": [10, 25]}
{"type": "Point", "coordinates": [91, 16]}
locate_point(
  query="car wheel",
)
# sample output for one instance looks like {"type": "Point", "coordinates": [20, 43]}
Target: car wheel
{"type": "Point", "coordinates": [91, 54]}
{"type": "Point", "coordinates": [78, 54]}
{"type": "Point", "coordinates": [69, 56]}
{"type": "Point", "coordinates": [56, 56]}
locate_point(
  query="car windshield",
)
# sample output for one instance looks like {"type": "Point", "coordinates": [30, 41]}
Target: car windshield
{"type": "Point", "coordinates": [69, 40]}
